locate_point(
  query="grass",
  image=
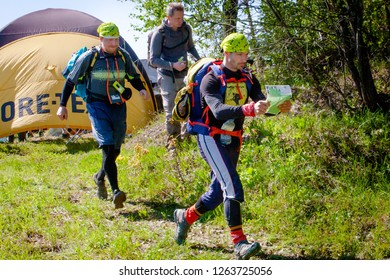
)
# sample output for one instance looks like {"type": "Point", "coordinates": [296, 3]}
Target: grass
{"type": "Point", "coordinates": [316, 184]}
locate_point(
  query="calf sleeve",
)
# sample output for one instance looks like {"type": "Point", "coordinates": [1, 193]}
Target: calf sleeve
{"type": "Point", "coordinates": [232, 209]}
{"type": "Point", "coordinates": [109, 165]}
{"type": "Point", "coordinates": [201, 207]}
{"type": "Point", "coordinates": [101, 174]}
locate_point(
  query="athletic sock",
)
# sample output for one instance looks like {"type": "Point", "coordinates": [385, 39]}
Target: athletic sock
{"type": "Point", "coordinates": [192, 215]}
{"type": "Point", "coordinates": [237, 234]}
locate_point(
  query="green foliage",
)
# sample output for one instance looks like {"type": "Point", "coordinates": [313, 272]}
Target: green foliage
{"type": "Point", "coordinates": [316, 187]}
{"type": "Point", "coordinates": [150, 13]}
{"type": "Point", "coordinates": [306, 44]}
{"type": "Point", "coordinates": [325, 178]}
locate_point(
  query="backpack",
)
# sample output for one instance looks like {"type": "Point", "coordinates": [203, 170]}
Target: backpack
{"type": "Point", "coordinates": [188, 100]}
{"type": "Point", "coordinates": [150, 35]}
{"type": "Point", "coordinates": [81, 87]}
{"type": "Point", "coordinates": [164, 41]}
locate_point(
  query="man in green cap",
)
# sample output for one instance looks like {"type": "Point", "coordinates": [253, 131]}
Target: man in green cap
{"type": "Point", "coordinates": [220, 148]}
{"type": "Point", "coordinates": [106, 97]}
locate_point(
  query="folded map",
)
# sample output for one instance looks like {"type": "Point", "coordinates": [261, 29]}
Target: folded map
{"type": "Point", "coordinates": [277, 94]}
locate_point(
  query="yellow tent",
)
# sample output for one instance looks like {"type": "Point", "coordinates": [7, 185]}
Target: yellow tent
{"type": "Point", "coordinates": [31, 81]}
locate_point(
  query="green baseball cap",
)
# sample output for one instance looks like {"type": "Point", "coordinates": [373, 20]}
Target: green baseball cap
{"type": "Point", "coordinates": [108, 30]}
{"type": "Point", "coordinates": [235, 42]}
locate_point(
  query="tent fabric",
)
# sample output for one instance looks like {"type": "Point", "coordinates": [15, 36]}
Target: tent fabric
{"type": "Point", "coordinates": [31, 85]}
{"type": "Point", "coordinates": [152, 72]}
{"type": "Point", "coordinates": [31, 81]}
{"type": "Point", "coordinates": [49, 20]}
{"type": "Point", "coordinates": [56, 20]}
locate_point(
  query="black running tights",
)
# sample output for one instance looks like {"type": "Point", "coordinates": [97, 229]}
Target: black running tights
{"type": "Point", "coordinates": [109, 168]}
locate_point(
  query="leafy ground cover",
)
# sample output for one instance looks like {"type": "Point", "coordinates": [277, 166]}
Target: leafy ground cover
{"type": "Point", "coordinates": [316, 184]}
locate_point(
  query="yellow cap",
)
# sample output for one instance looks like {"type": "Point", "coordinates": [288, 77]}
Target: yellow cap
{"type": "Point", "coordinates": [108, 30]}
{"type": "Point", "coordinates": [235, 42]}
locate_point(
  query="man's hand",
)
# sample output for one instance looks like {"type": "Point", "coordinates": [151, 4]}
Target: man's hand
{"type": "Point", "coordinates": [261, 107]}
{"type": "Point", "coordinates": [62, 113]}
{"type": "Point", "coordinates": [180, 65]}
{"type": "Point", "coordinates": [285, 107]}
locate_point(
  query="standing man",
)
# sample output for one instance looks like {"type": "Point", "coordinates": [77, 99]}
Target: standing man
{"type": "Point", "coordinates": [170, 44]}
{"type": "Point", "coordinates": [225, 113]}
{"type": "Point", "coordinates": [105, 104]}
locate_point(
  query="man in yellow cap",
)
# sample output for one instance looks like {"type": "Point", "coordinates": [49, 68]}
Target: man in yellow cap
{"type": "Point", "coordinates": [106, 97]}
{"type": "Point", "coordinates": [221, 147]}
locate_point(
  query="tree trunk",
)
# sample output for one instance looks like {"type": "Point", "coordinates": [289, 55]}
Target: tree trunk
{"type": "Point", "coordinates": [230, 10]}
{"type": "Point", "coordinates": [355, 50]}
{"type": "Point", "coordinates": [366, 80]}
{"type": "Point", "coordinates": [253, 41]}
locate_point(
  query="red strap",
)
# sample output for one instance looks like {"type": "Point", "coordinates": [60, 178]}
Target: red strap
{"type": "Point", "coordinates": [197, 123]}
{"type": "Point", "coordinates": [206, 115]}
{"type": "Point", "coordinates": [222, 76]}
{"type": "Point", "coordinates": [234, 80]}
{"type": "Point", "coordinates": [193, 84]}
{"type": "Point", "coordinates": [235, 133]}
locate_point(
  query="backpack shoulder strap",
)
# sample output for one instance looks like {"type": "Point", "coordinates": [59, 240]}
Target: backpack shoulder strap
{"type": "Point", "coordinates": [187, 28]}
{"type": "Point", "coordinates": [247, 75]}
{"type": "Point", "coordinates": [216, 67]}
{"type": "Point", "coordinates": [95, 52]}
{"type": "Point", "coordinates": [249, 81]}
{"type": "Point", "coordinates": [161, 29]}
{"type": "Point", "coordinates": [122, 55]}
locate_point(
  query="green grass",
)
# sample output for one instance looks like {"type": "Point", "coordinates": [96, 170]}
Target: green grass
{"type": "Point", "coordinates": [316, 185]}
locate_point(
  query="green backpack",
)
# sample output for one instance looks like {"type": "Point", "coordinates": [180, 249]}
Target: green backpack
{"type": "Point", "coordinates": [189, 95]}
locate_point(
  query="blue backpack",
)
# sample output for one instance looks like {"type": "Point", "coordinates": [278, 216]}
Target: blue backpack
{"type": "Point", "coordinates": [188, 100]}
{"type": "Point", "coordinates": [81, 87]}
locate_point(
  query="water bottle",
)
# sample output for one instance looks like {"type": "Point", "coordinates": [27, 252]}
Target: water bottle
{"type": "Point", "coordinates": [229, 126]}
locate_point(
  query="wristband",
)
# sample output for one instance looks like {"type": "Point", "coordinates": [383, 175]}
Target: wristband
{"type": "Point", "coordinates": [249, 109]}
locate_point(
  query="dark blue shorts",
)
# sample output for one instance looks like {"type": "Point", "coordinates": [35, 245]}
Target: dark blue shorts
{"type": "Point", "coordinates": [108, 123]}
